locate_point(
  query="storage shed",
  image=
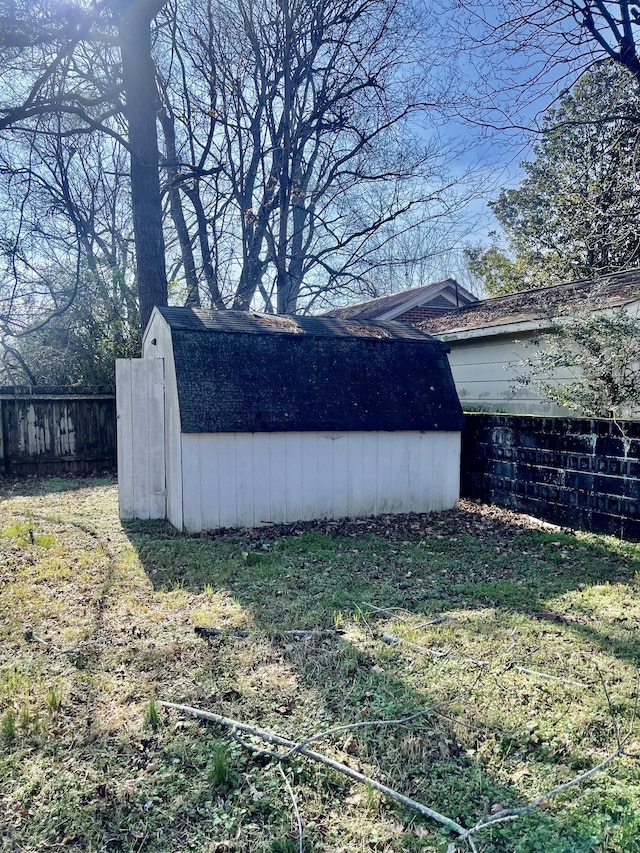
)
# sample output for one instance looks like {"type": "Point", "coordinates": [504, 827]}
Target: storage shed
{"type": "Point", "coordinates": [237, 419]}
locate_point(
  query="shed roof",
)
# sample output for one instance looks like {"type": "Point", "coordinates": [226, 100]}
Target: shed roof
{"type": "Point", "coordinates": [244, 372]}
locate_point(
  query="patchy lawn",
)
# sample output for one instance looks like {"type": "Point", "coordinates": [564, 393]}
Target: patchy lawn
{"type": "Point", "coordinates": [514, 645]}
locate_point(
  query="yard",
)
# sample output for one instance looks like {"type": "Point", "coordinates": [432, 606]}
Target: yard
{"type": "Point", "coordinates": [472, 660]}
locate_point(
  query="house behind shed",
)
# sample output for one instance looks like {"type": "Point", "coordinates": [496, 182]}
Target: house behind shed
{"type": "Point", "coordinates": [491, 340]}
{"type": "Point", "coordinates": [235, 419]}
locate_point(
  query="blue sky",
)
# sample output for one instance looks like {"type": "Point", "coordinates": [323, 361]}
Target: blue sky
{"type": "Point", "coordinates": [502, 95]}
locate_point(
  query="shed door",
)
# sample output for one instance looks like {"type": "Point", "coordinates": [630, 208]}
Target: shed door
{"type": "Point", "coordinates": [141, 459]}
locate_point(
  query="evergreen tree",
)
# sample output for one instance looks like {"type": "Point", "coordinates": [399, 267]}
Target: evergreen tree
{"type": "Point", "coordinates": [575, 213]}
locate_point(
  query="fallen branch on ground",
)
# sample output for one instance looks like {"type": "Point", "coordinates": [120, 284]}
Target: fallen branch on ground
{"type": "Point", "coordinates": [204, 631]}
{"type": "Point", "coordinates": [513, 814]}
{"type": "Point", "coordinates": [294, 803]}
{"type": "Point", "coordinates": [30, 637]}
{"type": "Point", "coordinates": [547, 676]}
{"type": "Point", "coordinates": [300, 634]}
{"type": "Point", "coordinates": [401, 614]}
{"type": "Point", "coordinates": [278, 740]}
{"type": "Point", "coordinates": [465, 834]}
{"type": "Point", "coordinates": [314, 632]}
{"type": "Point", "coordinates": [392, 640]}
{"type": "Point", "coordinates": [362, 724]}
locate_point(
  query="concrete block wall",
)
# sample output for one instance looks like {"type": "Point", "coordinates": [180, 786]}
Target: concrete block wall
{"type": "Point", "coordinates": [577, 472]}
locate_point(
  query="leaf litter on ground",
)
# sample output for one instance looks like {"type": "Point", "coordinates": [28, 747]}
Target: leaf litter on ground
{"type": "Point", "coordinates": [504, 629]}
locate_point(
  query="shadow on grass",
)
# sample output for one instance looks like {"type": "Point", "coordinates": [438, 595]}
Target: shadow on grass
{"type": "Point", "coordinates": [15, 487]}
{"type": "Point", "coordinates": [306, 578]}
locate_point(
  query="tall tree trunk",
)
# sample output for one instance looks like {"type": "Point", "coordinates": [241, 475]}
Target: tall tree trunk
{"type": "Point", "coordinates": [177, 213]}
{"type": "Point", "coordinates": [284, 297]}
{"type": "Point", "coordinates": [142, 105]}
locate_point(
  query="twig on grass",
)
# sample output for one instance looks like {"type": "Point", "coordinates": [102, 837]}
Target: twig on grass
{"type": "Point", "coordinates": [605, 690]}
{"type": "Point", "coordinates": [299, 634]}
{"type": "Point", "coordinates": [634, 715]}
{"type": "Point", "coordinates": [465, 835]}
{"type": "Point", "coordinates": [314, 632]}
{"type": "Point", "coordinates": [30, 637]}
{"type": "Point", "coordinates": [403, 615]}
{"type": "Point", "coordinates": [514, 814]}
{"type": "Point", "coordinates": [207, 632]}
{"type": "Point", "coordinates": [547, 676]}
{"type": "Point", "coordinates": [295, 807]}
{"type": "Point", "coordinates": [278, 740]}
{"type": "Point", "coordinates": [393, 640]}
{"type": "Point", "coordinates": [361, 724]}
{"type": "Point", "coordinates": [256, 751]}
{"type": "Point", "coordinates": [363, 616]}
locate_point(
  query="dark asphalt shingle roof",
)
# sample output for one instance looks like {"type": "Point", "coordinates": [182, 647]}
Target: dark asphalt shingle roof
{"type": "Point", "coordinates": [372, 308]}
{"type": "Point", "coordinates": [244, 372]}
{"type": "Point", "coordinates": [252, 323]}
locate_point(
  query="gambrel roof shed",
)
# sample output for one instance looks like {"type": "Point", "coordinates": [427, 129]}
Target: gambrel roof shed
{"type": "Point", "coordinates": [272, 418]}
{"type": "Point", "coordinates": [242, 372]}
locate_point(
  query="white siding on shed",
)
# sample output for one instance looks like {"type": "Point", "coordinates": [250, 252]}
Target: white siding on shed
{"type": "Point", "coordinates": [140, 409]}
{"type": "Point", "coordinates": [250, 479]}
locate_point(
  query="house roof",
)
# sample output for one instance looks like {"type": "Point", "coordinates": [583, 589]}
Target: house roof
{"type": "Point", "coordinates": [533, 306]}
{"type": "Point", "coordinates": [441, 295]}
{"type": "Point", "coordinates": [243, 372]}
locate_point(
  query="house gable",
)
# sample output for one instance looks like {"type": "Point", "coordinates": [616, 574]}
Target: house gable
{"type": "Point", "coordinates": [409, 306]}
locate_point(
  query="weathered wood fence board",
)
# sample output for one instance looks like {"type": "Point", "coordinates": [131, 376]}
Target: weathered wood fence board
{"type": "Point", "coordinates": [577, 472]}
{"type": "Point", "coordinates": [56, 431]}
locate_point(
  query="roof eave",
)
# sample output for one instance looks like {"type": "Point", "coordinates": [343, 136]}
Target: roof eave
{"type": "Point", "coordinates": [454, 335]}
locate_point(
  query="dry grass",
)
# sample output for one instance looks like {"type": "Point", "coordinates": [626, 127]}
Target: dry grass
{"type": "Point", "coordinates": [97, 624]}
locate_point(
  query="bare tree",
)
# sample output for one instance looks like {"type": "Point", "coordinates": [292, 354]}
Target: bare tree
{"type": "Point", "coordinates": [296, 156]}
{"type": "Point", "coordinates": [525, 54]}
{"type": "Point", "coordinates": [133, 23]}
{"type": "Point", "coordinates": [66, 257]}
{"type": "Point", "coordinates": [89, 64]}
{"type": "Point", "coordinates": [296, 141]}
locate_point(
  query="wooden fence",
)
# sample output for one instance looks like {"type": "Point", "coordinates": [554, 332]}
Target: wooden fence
{"type": "Point", "coordinates": [57, 431]}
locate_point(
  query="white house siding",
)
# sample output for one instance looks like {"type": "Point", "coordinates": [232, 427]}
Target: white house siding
{"type": "Point", "coordinates": [250, 479]}
{"type": "Point", "coordinates": [485, 366]}
{"type": "Point", "coordinates": [485, 372]}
